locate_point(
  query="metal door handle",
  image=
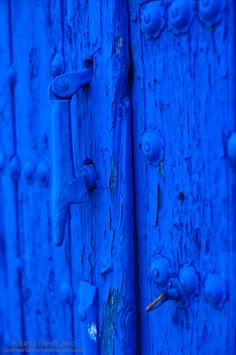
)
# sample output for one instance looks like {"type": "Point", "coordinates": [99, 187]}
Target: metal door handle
{"type": "Point", "coordinates": [66, 188]}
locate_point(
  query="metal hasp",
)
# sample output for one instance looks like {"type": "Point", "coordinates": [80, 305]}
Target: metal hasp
{"type": "Point", "coordinates": [88, 307]}
{"type": "Point", "coordinates": [66, 188]}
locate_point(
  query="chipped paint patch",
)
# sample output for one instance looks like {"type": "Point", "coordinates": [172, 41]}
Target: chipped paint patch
{"type": "Point", "coordinates": [92, 330]}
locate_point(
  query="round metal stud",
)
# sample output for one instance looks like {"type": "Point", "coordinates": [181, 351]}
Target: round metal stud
{"type": "Point", "coordinates": [210, 11]}
{"type": "Point", "coordinates": [215, 290]}
{"type": "Point", "coordinates": [152, 19]}
{"type": "Point", "coordinates": [160, 270]}
{"type": "Point", "coordinates": [188, 279]}
{"type": "Point", "coordinates": [89, 174]}
{"type": "Point", "coordinates": [180, 16]}
{"type": "Point", "coordinates": [152, 146]}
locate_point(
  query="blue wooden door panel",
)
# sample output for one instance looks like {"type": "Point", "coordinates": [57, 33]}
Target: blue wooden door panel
{"type": "Point", "coordinates": [97, 255]}
{"type": "Point", "coordinates": [102, 234]}
{"type": "Point", "coordinates": [154, 122]}
{"type": "Point", "coordinates": [183, 115]}
{"type": "Point", "coordinates": [13, 319]}
{"type": "Point", "coordinates": [42, 308]}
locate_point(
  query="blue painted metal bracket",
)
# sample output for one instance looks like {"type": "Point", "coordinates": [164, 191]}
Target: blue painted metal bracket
{"type": "Point", "coordinates": [66, 188]}
{"type": "Point", "coordinates": [88, 307]}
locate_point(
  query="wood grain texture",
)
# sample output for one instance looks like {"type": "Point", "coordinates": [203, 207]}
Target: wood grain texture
{"type": "Point", "coordinates": [183, 87]}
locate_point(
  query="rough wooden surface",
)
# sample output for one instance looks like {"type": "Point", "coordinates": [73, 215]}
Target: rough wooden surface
{"type": "Point", "coordinates": [93, 290]}
{"type": "Point", "coordinates": [184, 87]}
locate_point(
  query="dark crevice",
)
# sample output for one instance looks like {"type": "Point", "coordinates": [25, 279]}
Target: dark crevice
{"type": "Point", "coordinates": [133, 165]}
{"type": "Point", "coordinates": [71, 277]}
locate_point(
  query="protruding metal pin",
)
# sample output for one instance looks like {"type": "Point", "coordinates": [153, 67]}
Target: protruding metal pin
{"type": "Point", "coordinates": [157, 302]}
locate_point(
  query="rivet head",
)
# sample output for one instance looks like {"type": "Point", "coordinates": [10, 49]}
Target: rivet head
{"type": "Point", "coordinates": [57, 67]}
{"type": "Point", "coordinates": [231, 148]}
{"type": "Point", "coordinates": [152, 146]}
{"type": "Point", "coordinates": [14, 167]}
{"type": "Point", "coordinates": [180, 16]}
{"type": "Point", "coordinates": [188, 279]}
{"type": "Point", "coordinates": [160, 270]}
{"type": "Point", "coordinates": [215, 291]}
{"type": "Point", "coordinates": [210, 11]}
{"type": "Point", "coordinates": [65, 292]}
{"type": "Point", "coordinates": [11, 76]}
{"type": "Point", "coordinates": [29, 171]}
{"type": "Point", "coordinates": [152, 19]}
{"type": "Point", "coordinates": [43, 174]}
{"type": "Point", "coordinates": [89, 174]}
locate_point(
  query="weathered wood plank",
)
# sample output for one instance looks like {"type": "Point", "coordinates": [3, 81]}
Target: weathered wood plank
{"type": "Point", "coordinates": [44, 268]}
{"type": "Point", "coordinates": [102, 234]}
{"type": "Point", "coordinates": [12, 317]}
{"type": "Point", "coordinates": [183, 88]}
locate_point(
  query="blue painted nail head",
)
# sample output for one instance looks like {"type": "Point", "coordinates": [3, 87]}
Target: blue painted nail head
{"type": "Point", "coordinates": [152, 19]}
{"type": "Point", "coordinates": [180, 16]}
{"type": "Point", "coordinates": [210, 11]}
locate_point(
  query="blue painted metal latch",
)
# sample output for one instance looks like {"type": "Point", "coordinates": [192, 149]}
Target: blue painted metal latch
{"type": "Point", "coordinates": [66, 187]}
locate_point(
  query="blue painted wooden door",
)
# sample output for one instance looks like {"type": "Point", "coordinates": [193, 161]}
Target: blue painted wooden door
{"type": "Point", "coordinates": [117, 152]}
